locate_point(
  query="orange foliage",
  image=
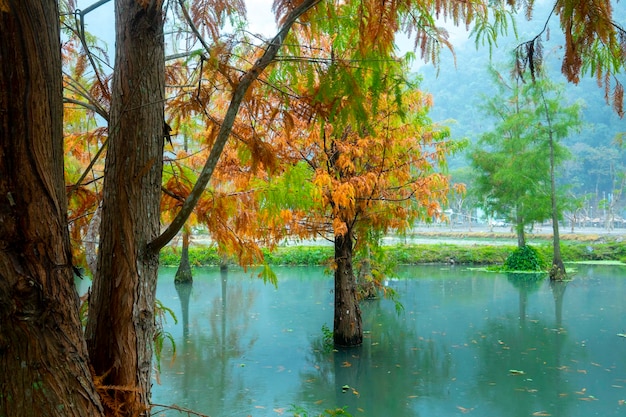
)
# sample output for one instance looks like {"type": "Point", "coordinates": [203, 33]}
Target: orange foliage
{"type": "Point", "coordinates": [329, 102]}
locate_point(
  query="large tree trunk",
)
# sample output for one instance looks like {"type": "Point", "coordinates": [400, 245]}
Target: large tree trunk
{"type": "Point", "coordinates": [348, 328]}
{"type": "Point", "coordinates": [44, 368]}
{"type": "Point", "coordinates": [121, 320]}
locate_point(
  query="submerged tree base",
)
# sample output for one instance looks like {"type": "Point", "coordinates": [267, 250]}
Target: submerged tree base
{"type": "Point", "coordinates": [183, 274]}
{"type": "Point", "coordinates": [557, 273]}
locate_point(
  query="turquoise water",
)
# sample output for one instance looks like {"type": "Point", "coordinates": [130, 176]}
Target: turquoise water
{"type": "Point", "coordinates": [466, 342]}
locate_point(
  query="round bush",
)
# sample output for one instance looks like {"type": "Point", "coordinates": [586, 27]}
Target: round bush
{"type": "Point", "coordinates": [525, 258]}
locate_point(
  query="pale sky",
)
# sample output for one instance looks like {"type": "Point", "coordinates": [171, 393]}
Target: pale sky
{"type": "Point", "coordinates": [100, 22]}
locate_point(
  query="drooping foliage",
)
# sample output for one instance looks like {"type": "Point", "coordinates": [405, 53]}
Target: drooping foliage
{"type": "Point", "coordinates": [595, 44]}
{"type": "Point", "coordinates": [205, 77]}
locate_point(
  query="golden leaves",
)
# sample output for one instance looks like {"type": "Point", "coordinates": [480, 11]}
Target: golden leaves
{"type": "Point", "coordinates": [594, 43]}
{"type": "Point", "coordinates": [209, 16]}
{"type": "Point", "coordinates": [618, 99]}
{"type": "Point", "coordinates": [4, 6]}
{"type": "Point", "coordinates": [343, 196]}
{"type": "Point", "coordinates": [340, 228]}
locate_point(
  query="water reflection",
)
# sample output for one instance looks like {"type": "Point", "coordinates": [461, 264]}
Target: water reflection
{"type": "Point", "coordinates": [385, 375]}
{"type": "Point", "coordinates": [526, 358]}
{"type": "Point", "coordinates": [467, 342]}
{"type": "Point", "coordinates": [215, 330]}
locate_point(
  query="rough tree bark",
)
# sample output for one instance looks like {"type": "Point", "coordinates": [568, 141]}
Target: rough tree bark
{"type": "Point", "coordinates": [121, 318]}
{"type": "Point", "coordinates": [347, 327]}
{"type": "Point", "coordinates": [44, 368]}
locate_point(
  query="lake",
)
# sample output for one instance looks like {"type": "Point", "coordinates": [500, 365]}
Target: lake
{"type": "Point", "coordinates": [465, 342]}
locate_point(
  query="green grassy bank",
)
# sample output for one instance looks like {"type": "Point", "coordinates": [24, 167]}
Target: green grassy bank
{"type": "Point", "coordinates": [415, 254]}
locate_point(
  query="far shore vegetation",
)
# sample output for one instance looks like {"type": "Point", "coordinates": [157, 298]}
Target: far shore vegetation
{"type": "Point", "coordinates": [446, 248]}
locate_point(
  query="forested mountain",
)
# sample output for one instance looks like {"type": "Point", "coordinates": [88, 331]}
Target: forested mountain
{"type": "Point", "coordinates": [596, 169]}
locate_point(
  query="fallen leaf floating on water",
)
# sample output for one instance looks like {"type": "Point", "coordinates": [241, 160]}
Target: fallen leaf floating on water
{"type": "Point", "coordinates": [346, 364]}
{"type": "Point", "coordinates": [621, 334]}
{"type": "Point", "coordinates": [279, 410]}
{"type": "Point", "coordinates": [516, 372]}
{"type": "Point", "coordinates": [530, 390]}
{"type": "Point", "coordinates": [541, 413]}
{"type": "Point", "coordinates": [464, 410]}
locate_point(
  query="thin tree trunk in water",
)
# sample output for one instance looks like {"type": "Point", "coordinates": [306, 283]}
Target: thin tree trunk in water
{"type": "Point", "coordinates": [557, 272]}
{"type": "Point", "coordinates": [44, 369]}
{"type": "Point", "coordinates": [521, 235]}
{"type": "Point", "coordinates": [347, 329]}
{"type": "Point", "coordinates": [365, 280]}
{"type": "Point", "coordinates": [121, 319]}
{"type": "Point", "coordinates": [183, 273]}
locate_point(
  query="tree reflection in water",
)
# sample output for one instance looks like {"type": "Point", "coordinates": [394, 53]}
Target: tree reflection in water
{"type": "Point", "coordinates": [521, 360]}
{"type": "Point", "coordinates": [386, 375]}
{"type": "Point", "coordinates": [208, 345]}
{"type": "Point", "coordinates": [467, 342]}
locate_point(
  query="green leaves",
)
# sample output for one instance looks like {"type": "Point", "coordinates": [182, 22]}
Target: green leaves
{"type": "Point", "coordinates": [267, 274]}
{"type": "Point", "coordinates": [513, 160]}
{"type": "Point", "coordinates": [525, 258]}
{"type": "Point", "coordinates": [291, 190]}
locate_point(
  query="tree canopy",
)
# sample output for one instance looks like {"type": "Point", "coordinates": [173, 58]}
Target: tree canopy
{"type": "Point", "coordinates": [513, 161]}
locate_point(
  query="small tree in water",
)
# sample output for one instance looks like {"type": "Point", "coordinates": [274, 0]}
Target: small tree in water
{"type": "Point", "coordinates": [371, 163]}
{"type": "Point", "coordinates": [516, 161]}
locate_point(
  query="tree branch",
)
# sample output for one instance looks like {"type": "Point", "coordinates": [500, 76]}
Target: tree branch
{"type": "Point", "coordinates": [89, 167]}
{"type": "Point", "coordinates": [96, 109]}
{"type": "Point", "coordinates": [242, 87]}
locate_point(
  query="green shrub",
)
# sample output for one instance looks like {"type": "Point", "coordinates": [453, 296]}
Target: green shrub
{"type": "Point", "coordinates": [169, 256]}
{"type": "Point", "coordinates": [525, 258]}
{"type": "Point", "coordinates": [299, 255]}
{"type": "Point", "coordinates": [416, 254]}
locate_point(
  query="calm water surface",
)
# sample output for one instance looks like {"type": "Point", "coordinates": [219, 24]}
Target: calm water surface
{"type": "Point", "coordinates": [467, 342]}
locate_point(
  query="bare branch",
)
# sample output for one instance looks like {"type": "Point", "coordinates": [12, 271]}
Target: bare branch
{"type": "Point", "coordinates": [89, 106]}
